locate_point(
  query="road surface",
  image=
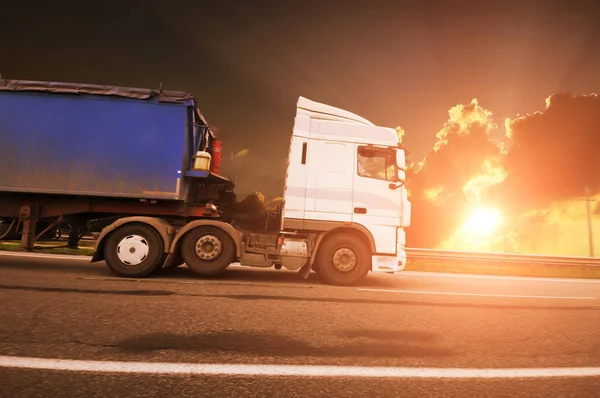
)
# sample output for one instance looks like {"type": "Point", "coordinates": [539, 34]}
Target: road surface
{"type": "Point", "coordinates": [70, 328]}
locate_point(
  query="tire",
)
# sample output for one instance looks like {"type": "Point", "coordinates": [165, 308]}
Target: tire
{"type": "Point", "coordinates": [353, 260]}
{"type": "Point", "coordinates": [214, 244]}
{"type": "Point", "coordinates": [134, 251]}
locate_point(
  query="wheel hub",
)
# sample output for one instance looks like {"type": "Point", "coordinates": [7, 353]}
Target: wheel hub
{"type": "Point", "coordinates": [344, 260]}
{"type": "Point", "coordinates": [132, 250]}
{"type": "Point", "coordinates": [208, 247]}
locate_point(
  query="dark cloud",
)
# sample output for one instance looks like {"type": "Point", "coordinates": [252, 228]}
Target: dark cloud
{"type": "Point", "coordinates": [463, 146]}
{"type": "Point", "coordinates": [553, 154]}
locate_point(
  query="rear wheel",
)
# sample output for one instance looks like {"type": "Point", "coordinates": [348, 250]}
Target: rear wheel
{"type": "Point", "coordinates": [343, 260]}
{"type": "Point", "coordinates": [207, 250]}
{"type": "Point", "coordinates": [134, 250]}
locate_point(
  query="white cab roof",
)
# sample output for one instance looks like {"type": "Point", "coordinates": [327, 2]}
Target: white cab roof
{"type": "Point", "coordinates": [317, 110]}
{"type": "Point", "coordinates": [334, 122]}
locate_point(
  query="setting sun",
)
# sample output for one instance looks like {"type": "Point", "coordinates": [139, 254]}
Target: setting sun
{"type": "Point", "coordinates": [483, 221]}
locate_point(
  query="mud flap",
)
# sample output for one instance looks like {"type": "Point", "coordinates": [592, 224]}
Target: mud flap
{"type": "Point", "coordinates": [305, 270]}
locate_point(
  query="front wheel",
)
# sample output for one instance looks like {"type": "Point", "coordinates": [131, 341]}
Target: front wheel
{"type": "Point", "coordinates": [207, 250]}
{"type": "Point", "coordinates": [343, 260]}
{"type": "Point", "coordinates": [134, 250]}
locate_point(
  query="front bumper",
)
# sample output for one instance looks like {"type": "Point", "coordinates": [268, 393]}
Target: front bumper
{"type": "Point", "coordinates": [388, 264]}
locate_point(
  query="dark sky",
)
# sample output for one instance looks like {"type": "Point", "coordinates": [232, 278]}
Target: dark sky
{"type": "Point", "coordinates": [394, 62]}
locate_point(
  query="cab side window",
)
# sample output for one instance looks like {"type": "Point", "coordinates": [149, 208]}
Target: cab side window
{"type": "Point", "coordinates": [378, 163]}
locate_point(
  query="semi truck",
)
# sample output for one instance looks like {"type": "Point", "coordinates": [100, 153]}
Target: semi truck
{"type": "Point", "coordinates": [145, 165]}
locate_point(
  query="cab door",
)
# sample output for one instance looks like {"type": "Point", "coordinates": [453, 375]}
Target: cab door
{"type": "Point", "coordinates": [377, 200]}
{"type": "Point", "coordinates": [331, 181]}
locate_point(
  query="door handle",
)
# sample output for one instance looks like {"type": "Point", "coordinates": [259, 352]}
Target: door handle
{"type": "Point", "coordinates": [360, 210]}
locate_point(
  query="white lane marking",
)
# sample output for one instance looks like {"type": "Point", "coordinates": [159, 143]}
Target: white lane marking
{"type": "Point", "coordinates": [45, 256]}
{"type": "Point", "coordinates": [475, 294]}
{"type": "Point", "coordinates": [291, 370]}
{"type": "Point", "coordinates": [501, 277]}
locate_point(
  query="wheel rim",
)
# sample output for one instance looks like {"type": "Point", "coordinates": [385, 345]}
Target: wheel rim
{"type": "Point", "coordinates": [344, 260]}
{"type": "Point", "coordinates": [133, 250]}
{"type": "Point", "coordinates": [209, 247]}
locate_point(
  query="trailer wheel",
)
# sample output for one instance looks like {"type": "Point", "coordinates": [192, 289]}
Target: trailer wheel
{"type": "Point", "coordinates": [343, 260]}
{"type": "Point", "coordinates": [207, 250]}
{"type": "Point", "coordinates": [134, 251]}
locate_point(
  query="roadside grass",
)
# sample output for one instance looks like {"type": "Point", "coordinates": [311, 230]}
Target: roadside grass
{"type": "Point", "coordinates": [504, 268]}
{"type": "Point", "coordinates": [86, 248]}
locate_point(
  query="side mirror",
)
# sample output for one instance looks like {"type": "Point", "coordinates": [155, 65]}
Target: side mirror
{"type": "Point", "coordinates": [401, 175]}
{"type": "Point", "coordinates": [401, 164]}
{"type": "Point", "coordinates": [400, 159]}
{"type": "Point", "coordinates": [394, 186]}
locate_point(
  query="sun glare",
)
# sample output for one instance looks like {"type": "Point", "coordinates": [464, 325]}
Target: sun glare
{"type": "Point", "coordinates": [483, 222]}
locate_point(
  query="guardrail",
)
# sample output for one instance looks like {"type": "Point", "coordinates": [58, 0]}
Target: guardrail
{"type": "Point", "coordinates": [446, 255]}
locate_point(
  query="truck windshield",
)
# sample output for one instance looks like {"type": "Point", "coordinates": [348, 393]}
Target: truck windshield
{"type": "Point", "coordinates": [378, 163]}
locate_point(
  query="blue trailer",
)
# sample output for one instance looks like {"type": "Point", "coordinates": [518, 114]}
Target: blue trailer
{"type": "Point", "coordinates": [81, 152]}
{"type": "Point", "coordinates": [100, 141]}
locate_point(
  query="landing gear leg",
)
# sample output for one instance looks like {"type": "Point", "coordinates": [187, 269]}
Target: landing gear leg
{"type": "Point", "coordinates": [29, 217]}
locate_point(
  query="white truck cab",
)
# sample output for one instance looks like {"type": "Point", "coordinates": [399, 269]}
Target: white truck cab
{"type": "Point", "coordinates": [346, 173]}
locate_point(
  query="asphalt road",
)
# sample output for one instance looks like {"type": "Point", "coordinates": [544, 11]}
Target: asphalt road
{"type": "Point", "coordinates": [416, 323]}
